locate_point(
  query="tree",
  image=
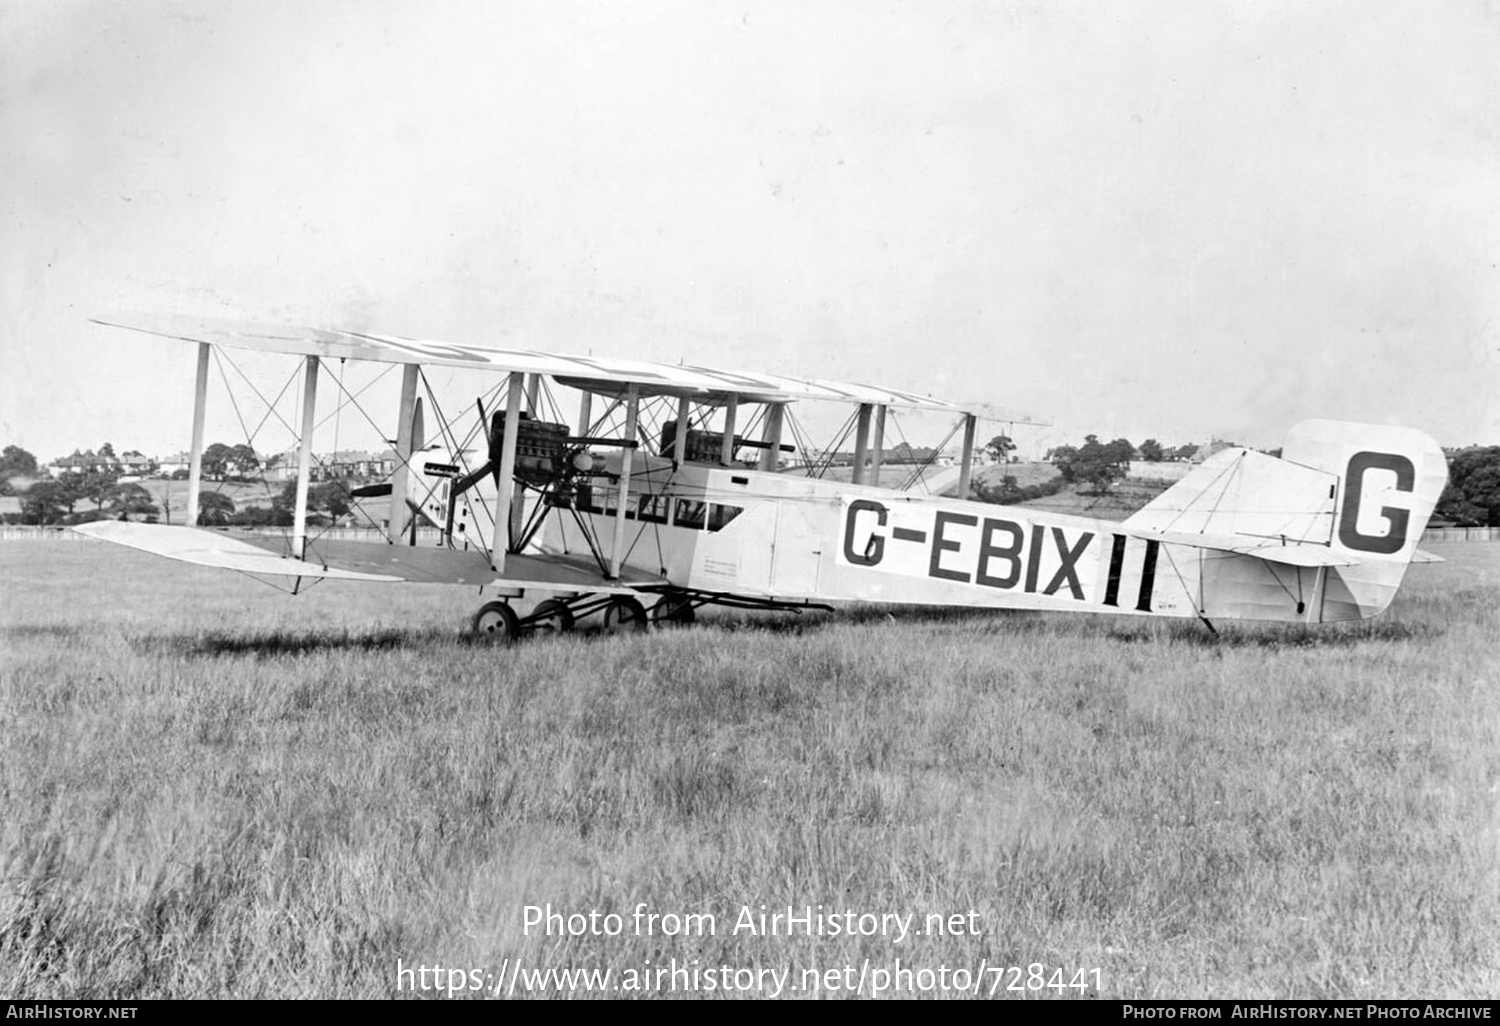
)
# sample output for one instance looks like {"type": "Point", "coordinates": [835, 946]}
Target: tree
{"type": "Point", "coordinates": [1000, 447]}
{"type": "Point", "coordinates": [221, 461]}
{"type": "Point", "coordinates": [1151, 451]}
{"type": "Point", "coordinates": [215, 461]}
{"type": "Point", "coordinates": [243, 461]}
{"type": "Point", "coordinates": [261, 516]}
{"type": "Point", "coordinates": [1185, 452]}
{"type": "Point", "coordinates": [130, 500]}
{"type": "Point", "coordinates": [71, 490]}
{"type": "Point", "coordinates": [1472, 498]}
{"type": "Point", "coordinates": [97, 486]}
{"type": "Point", "coordinates": [17, 468]}
{"type": "Point", "coordinates": [329, 500]}
{"type": "Point", "coordinates": [286, 500]}
{"type": "Point", "coordinates": [1063, 457]}
{"type": "Point", "coordinates": [45, 503]}
{"type": "Point", "coordinates": [1121, 452]}
{"type": "Point", "coordinates": [214, 509]}
{"type": "Point", "coordinates": [1094, 462]}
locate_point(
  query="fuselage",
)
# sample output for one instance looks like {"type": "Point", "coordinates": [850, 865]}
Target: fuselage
{"type": "Point", "coordinates": [786, 537]}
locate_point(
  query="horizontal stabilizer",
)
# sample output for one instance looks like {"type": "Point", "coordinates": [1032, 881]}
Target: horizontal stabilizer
{"type": "Point", "coordinates": [1240, 492]}
{"type": "Point", "coordinates": [1423, 556]}
{"type": "Point", "coordinates": [209, 548]}
{"type": "Point", "coordinates": [1271, 549]}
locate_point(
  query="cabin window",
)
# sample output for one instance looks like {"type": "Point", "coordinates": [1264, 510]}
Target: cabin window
{"type": "Point", "coordinates": [719, 515]}
{"type": "Point", "coordinates": [653, 509]}
{"type": "Point", "coordinates": [691, 514]}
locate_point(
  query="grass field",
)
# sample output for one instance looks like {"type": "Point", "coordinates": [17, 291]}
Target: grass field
{"type": "Point", "coordinates": [211, 790]}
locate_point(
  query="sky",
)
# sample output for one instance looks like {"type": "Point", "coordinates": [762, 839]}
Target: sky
{"type": "Point", "coordinates": [1142, 219]}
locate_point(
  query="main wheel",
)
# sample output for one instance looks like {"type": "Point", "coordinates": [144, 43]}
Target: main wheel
{"type": "Point", "coordinates": [496, 622]}
{"type": "Point", "coordinates": [552, 617]}
{"type": "Point", "coordinates": [673, 610]}
{"type": "Point", "coordinates": [624, 614]}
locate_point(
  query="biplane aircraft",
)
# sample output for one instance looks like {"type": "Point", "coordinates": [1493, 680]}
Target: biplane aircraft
{"type": "Point", "coordinates": [651, 510]}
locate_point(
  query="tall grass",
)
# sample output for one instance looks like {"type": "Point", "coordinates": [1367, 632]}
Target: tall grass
{"type": "Point", "coordinates": [210, 790]}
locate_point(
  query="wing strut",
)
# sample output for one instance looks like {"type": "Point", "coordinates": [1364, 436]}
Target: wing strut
{"type": "Point", "coordinates": [770, 456]}
{"type": "Point", "coordinates": [518, 499]}
{"type": "Point", "coordinates": [862, 442]}
{"type": "Point", "coordinates": [195, 458]}
{"type": "Point", "coordinates": [731, 410]}
{"type": "Point", "coordinates": [585, 413]}
{"type": "Point", "coordinates": [679, 439]}
{"type": "Point", "coordinates": [404, 445]}
{"type": "Point", "coordinates": [966, 464]}
{"type": "Point", "coordinates": [1315, 600]}
{"type": "Point", "coordinates": [304, 457]}
{"type": "Point", "coordinates": [632, 411]}
{"type": "Point", "coordinates": [501, 543]}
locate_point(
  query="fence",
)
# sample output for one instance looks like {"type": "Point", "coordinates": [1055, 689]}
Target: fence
{"type": "Point", "coordinates": [1461, 534]}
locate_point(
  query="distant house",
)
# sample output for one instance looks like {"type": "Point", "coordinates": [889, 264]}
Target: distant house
{"type": "Point", "coordinates": [282, 466]}
{"type": "Point", "coordinates": [344, 465]}
{"type": "Point", "coordinates": [951, 457]}
{"type": "Point", "coordinates": [354, 464]}
{"type": "Point", "coordinates": [86, 462]}
{"type": "Point", "coordinates": [136, 464]}
{"type": "Point", "coordinates": [169, 465]}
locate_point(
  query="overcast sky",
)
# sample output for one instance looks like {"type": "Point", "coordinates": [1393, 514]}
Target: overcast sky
{"type": "Point", "coordinates": [1141, 219]}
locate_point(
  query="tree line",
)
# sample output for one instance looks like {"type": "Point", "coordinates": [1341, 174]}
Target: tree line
{"type": "Point", "coordinates": [48, 500]}
{"type": "Point", "coordinates": [97, 492]}
{"type": "Point", "coordinates": [1101, 464]}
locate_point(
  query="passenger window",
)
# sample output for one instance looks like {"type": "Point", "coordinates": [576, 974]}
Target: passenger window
{"type": "Point", "coordinates": [653, 508]}
{"type": "Point", "coordinates": [720, 515]}
{"type": "Point", "coordinates": [690, 514]}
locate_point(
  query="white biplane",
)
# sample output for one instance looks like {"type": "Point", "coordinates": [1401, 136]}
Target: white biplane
{"type": "Point", "coordinates": [651, 521]}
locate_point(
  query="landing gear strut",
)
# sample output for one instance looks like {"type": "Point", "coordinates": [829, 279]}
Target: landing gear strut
{"type": "Point", "coordinates": [551, 617]}
{"type": "Point", "coordinates": [674, 610]}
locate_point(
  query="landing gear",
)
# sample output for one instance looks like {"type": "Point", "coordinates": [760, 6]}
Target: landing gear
{"type": "Point", "coordinates": [673, 610]}
{"type": "Point", "coordinates": [496, 622]}
{"type": "Point", "coordinates": [624, 614]}
{"type": "Point", "coordinates": [551, 617]}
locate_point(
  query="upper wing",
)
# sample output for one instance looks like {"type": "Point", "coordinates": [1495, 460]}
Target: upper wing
{"type": "Point", "coordinates": [593, 373]}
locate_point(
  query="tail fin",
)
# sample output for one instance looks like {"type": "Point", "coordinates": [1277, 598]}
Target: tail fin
{"type": "Point", "coordinates": [1390, 478]}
